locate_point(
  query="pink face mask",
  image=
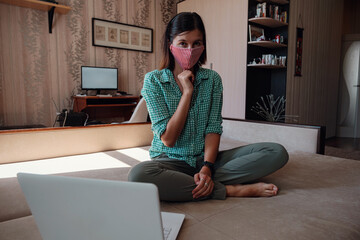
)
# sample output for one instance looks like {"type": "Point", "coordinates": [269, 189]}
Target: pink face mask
{"type": "Point", "coordinates": [186, 57]}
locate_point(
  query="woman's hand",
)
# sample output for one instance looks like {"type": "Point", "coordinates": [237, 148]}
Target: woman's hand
{"type": "Point", "coordinates": [204, 183]}
{"type": "Point", "coordinates": [186, 79]}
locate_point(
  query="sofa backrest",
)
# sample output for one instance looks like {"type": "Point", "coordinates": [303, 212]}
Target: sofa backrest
{"type": "Point", "coordinates": [293, 137]}
{"type": "Point", "coordinates": [29, 144]}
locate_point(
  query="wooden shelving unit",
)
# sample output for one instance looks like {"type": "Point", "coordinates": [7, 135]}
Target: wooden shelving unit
{"type": "Point", "coordinates": [265, 79]}
{"type": "Point", "coordinates": [267, 44]}
{"type": "Point", "coordinates": [49, 7]}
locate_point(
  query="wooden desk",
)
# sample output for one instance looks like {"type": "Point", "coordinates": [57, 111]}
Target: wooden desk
{"type": "Point", "coordinates": [106, 107]}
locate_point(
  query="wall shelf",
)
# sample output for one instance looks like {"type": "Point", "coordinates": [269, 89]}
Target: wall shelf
{"type": "Point", "coordinates": [268, 22]}
{"type": "Point", "coordinates": [49, 7]}
{"type": "Point", "coordinates": [274, 1]}
{"type": "Point", "coordinates": [267, 66]}
{"type": "Point", "coordinates": [267, 44]}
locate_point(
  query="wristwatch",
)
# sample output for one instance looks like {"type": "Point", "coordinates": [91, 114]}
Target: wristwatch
{"type": "Point", "coordinates": [210, 165]}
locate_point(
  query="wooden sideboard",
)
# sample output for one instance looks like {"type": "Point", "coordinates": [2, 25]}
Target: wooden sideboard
{"type": "Point", "coordinates": [105, 107]}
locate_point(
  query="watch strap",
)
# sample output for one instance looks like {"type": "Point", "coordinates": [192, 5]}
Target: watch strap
{"type": "Point", "coordinates": [209, 165]}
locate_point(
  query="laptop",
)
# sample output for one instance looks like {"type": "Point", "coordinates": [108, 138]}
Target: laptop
{"type": "Point", "coordinates": [81, 208]}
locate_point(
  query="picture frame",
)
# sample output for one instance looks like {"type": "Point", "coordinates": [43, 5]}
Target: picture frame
{"type": "Point", "coordinates": [111, 34]}
{"type": "Point", "coordinates": [256, 34]}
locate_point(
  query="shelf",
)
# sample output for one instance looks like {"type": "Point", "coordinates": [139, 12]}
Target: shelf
{"type": "Point", "coordinates": [268, 22]}
{"type": "Point", "coordinates": [274, 1]}
{"type": "Point", "coordinates": [49, 7]}
{"type": "Point", "coordinates": [267, 66]}
{"type": "Point", "coordinates": [39, 5]}
{"type": "Point", "coordinates": [267, 44]}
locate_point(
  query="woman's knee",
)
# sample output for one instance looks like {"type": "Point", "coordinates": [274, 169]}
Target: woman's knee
{"type": "Point", "coordinates": [139, 173]}
{"type": "Point", "coordinates": [281, 155]}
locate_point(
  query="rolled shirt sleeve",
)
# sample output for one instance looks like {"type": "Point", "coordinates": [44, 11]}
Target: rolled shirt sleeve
{"type": "Point", "coordinates": [155, 102]}
{"type": "Point", "coordinates": [215, 118]}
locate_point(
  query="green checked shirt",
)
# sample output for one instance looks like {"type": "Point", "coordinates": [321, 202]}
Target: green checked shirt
{"type": "Point", "coordinates": [162, 96]}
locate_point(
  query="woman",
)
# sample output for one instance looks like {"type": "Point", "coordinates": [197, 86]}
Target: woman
{"type": "Point", "coordinates": [184, 102]}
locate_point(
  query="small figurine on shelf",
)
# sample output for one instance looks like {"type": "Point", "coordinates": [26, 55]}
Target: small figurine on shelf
{"type": "Point", "coordinates": [283, 17]}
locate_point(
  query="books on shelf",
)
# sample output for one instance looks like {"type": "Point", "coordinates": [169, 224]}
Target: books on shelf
{"type": "Point", "coordinates": [271, 11]}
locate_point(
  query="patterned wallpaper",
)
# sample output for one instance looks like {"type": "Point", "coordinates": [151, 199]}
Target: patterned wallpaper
{"type": "Point", "coordinates": [38, 69]}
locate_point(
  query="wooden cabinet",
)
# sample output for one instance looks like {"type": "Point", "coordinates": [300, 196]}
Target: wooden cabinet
{"type": "Point", "coordinates": [266, 52]}
{"type": "Point", "coordinates": [106, 107]}
{"type": "Point", "coordinates": [226, 26]}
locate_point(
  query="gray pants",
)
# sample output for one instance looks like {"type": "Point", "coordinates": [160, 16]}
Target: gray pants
{"type": "Point", "coordinates": [174, 178]}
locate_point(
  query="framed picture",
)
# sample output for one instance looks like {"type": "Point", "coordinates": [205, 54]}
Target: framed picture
{"type": "Point", "coordinates": [256, 34]}
{"type": "Point", "coordinates": [120, 35]}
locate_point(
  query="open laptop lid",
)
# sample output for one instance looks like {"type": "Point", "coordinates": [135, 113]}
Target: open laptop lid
{"type": "Point", "coordinates": [78, 208]}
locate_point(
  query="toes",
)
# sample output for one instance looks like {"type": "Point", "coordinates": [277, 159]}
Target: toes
{"type": "Point", "coordinates": [269, 186]}
{"type": "Point", "coordinates": [271, 190]}
{"type": "Point", "coordinates": [270, 193]}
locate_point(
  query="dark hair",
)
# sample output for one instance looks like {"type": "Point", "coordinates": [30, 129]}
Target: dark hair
{"type": "Point", "coordinates": [182, 22]}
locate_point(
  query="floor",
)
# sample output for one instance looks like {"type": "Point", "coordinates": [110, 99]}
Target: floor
{"type": "Point", "coordinates": [344, 143]}
{"type": "Point", "coordinates": [343, 147]}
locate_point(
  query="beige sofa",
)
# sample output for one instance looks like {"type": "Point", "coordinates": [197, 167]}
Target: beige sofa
{"type": "Point", "coordinates": [318, 198]}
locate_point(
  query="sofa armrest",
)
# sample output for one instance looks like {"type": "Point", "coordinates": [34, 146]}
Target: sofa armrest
{"type": "Point", "coordinates": [293, 137]}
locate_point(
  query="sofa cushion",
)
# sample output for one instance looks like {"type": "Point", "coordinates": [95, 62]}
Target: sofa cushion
{"type": "Point", "coordinates": [12, 201]}
{"type": "Point", "coordinates": [318, 199]}
{"type": "Point", "coordinates": [20, 229]}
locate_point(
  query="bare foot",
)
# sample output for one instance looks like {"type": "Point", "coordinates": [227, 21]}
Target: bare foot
{"type": "Point", "coordinates": [251, 190]}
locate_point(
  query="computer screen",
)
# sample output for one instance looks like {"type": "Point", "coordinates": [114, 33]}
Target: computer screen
{"type": "Point", "coordinates": [99, 78]}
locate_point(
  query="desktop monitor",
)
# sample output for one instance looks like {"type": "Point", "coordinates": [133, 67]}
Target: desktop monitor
{"type": "Point", "coordinates": [99, 78]}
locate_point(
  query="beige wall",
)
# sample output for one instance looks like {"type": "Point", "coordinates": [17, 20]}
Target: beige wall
{"type": "Point", "coordinates": [313, 96]}
{"type": "Point", "coordinates": [226, 26]}
{"type": "Point", "coordinates": [36, 66]}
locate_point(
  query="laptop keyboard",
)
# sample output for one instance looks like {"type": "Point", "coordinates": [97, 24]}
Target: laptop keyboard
{"type": "Point", "coordinates": [166, 232]}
